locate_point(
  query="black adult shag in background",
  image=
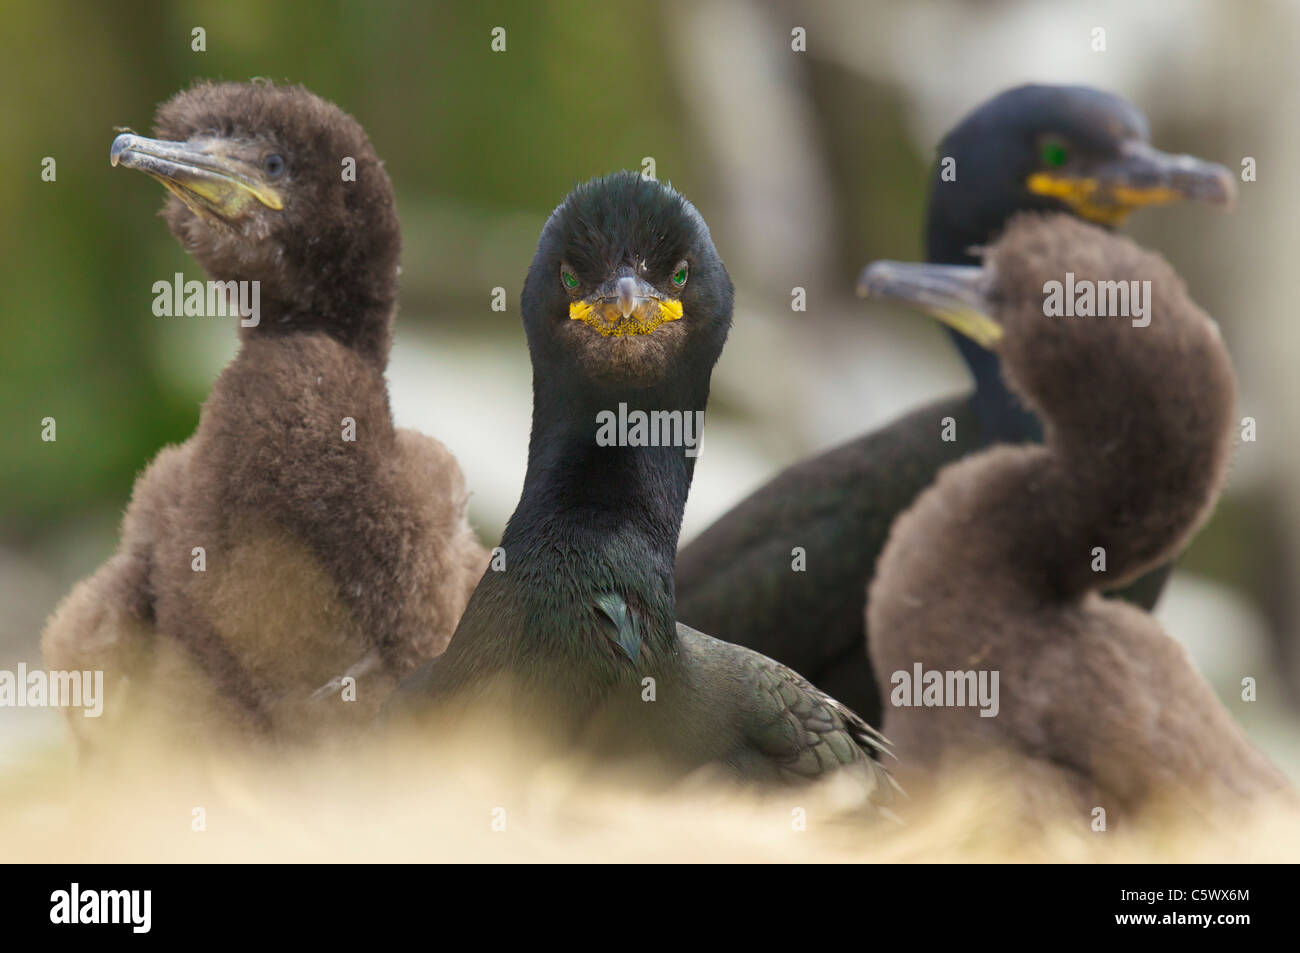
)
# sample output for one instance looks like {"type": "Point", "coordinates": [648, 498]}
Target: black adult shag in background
{"type": "Point", "coordinates": [996, 569]}
{"type": "Point", "coordinates": [626, 307]}
{"type": "Point", "coordinates": [297, 535]}
{"type": "Point", "coordinates": [1064, 148]}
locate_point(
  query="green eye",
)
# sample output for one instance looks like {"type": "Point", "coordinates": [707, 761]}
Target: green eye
{"type": "Point", "coordinates": [569, 278]}
{"type": "Point", "coordinates": [1053, 154]}
{"type": "Point", "coordinates": [679, 276]}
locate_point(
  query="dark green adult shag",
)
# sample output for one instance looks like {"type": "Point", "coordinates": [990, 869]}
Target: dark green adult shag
{"type": "Point", "coordinates": [298, 535]}
{"type": "Point", "coordinates": [1064, 148]}
{"type": "Point", "coordinates": [995, 569]}
{"type": "Point", "coordinates": [626, 307]}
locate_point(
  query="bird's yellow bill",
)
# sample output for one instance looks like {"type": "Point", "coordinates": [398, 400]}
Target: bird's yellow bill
{"type": "Point", "coordinates": [955, 294]}
{"type": "Point", "coordinates": [607, 318]}
{"type": "Point", "coordinates": [207, 176]}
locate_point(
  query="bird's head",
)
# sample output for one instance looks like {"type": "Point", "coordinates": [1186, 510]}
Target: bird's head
{"type": "Point", "coordinates": [626, 290]}
{"type": "Point", "coordinates": [274, 184]}
{"type": "Point", "coordinates": [1055, 148]}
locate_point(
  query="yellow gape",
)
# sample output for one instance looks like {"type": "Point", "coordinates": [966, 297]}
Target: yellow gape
{"type": "Point", "coordinates": [609, 321]}
{"type": "Point", "coordinates": [1108, 205]}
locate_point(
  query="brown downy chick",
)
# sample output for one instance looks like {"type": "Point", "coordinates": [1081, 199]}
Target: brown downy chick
{"type": "Point", "coordinates": [297, 536]}
{"type": "Point", "coordinates": [997, 567]}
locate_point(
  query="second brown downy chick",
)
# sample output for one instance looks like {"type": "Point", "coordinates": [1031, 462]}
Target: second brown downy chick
{"type": "Point", "coordinates": [997, 567]}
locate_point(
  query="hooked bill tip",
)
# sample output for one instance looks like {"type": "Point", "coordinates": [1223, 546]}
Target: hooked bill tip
{"type": "Point", "coordinates": [627, 288]}
{"type": "Point", "coordinates": [120, 144]}
{"type": "Point", "coordinates": [869, 276]}
{"type": "Point", "coordinates": [1221, 188]}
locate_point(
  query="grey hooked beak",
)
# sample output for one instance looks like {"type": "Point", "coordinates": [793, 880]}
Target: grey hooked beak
{"type": "Point", "coordinates": [1151, 176]}
{"type": "Point", "coordinates": [625, 304]}
{"type": "Point", "coordinates": [628, 290]}
{"type": "Point", "coordinates": [207, 174]}
{"type": "Point", "coordinates": [955, 294]}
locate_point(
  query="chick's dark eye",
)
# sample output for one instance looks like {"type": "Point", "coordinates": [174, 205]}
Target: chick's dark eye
{"type": "Point", "coordinates": [273, 165]}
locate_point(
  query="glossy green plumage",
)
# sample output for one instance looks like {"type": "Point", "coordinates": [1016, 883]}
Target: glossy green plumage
{"type": "Point", "coordinates": [581, 623]}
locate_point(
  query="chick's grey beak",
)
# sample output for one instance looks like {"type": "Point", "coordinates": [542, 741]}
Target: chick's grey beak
{"type": "Point", "coordinates": [955, 294]}
{"type": "Point", "coordinates": [206, 174]}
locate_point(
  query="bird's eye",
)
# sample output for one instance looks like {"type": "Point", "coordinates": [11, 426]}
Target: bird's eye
{"type": "Point", "coordinates": [568, 277]}
{"type": "Point", "coordinates": [1053, 153]}
{"type": "Point", "coordinates": [680, 275]}
{"type": "Point", "coordinates": [273, 165]}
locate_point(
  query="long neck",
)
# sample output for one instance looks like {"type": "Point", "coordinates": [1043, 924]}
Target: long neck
{"type": "Point", "coordinates": [344, 287]}
{"type": "Point", "coordinates": [1130, 467]}
{"type": "Point", "coordinates": [361, 322]}
{"type": "Point", "coordinates": [1003, 419]}
{"type": "Point", "coordinates": [1142, 456]}
{"type": "Point", "coordinates": [592, 520]}
{"type": "Point", "coordinates": [583, 492]}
